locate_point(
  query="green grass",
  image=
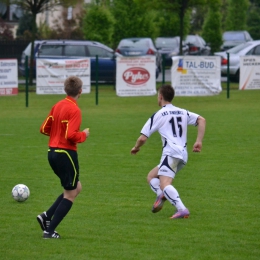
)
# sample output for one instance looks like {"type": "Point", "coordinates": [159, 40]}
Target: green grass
{"type": "Point", "coordinates": [111, 219]}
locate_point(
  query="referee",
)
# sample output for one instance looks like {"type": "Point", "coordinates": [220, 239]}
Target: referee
{"type": "Point", "coordinates": [62, 125]}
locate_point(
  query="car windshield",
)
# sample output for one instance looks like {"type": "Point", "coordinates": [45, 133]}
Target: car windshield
{"type": "Point", "coordinates": [233, 36]}
{"type": "Point", "coordinates": [239, 47]}
{"type": "Point", "coordinates": [166, 43]}
{"type": "Point", "coordinates": [135, 43]}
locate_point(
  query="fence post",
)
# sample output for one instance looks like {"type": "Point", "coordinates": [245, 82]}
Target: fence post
{"type": "Point", "coordinates": [163, 69]}
{"type": "Point", "coordinates": [227, 74]}
{"type": "Point", "coordinates": [26, 82]}
{"type": "Point", "coordinates": [96, 79]}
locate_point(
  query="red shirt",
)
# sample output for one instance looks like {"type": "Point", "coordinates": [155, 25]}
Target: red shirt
{"type": "Point", "coordinates": [63, 124]}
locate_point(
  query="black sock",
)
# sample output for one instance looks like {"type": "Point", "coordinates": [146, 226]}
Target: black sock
{"type": "Point", "coordinates": [61, 211]}
{"type": "Point", "coordinates": [51, 210]}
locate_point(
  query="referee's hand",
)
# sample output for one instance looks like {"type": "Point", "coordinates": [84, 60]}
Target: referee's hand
{"type": "Point", "coordinates": [86, 131]}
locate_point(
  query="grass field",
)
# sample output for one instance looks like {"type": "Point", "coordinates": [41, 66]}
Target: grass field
{"type": "Point", "coordinates": [111, 219]}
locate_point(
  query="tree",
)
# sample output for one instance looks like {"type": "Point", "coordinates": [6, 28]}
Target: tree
{"type": "Point", "coordinates": [224, 11]}
{"type": "Point", "coordinates": [236, 15]}
{"type": "Point", "coordinates": [179, 7]}
{"type": "Point", "coordinates": [25, 25]}
{"type": "Point", "coordinates": [168, 23]}
{"type": "Point", "coordinates": [253, 19]}
{"type": "Point", "coordinates": [197, 18]}
{"type": "Point", "coordinates": [35, 7]}
{"type": "Point", "coordinates": [212, 25]}
{"type": "Point", "coordinates": [98, 23]}
{"type": "Point", "coordinates": [132, 20]}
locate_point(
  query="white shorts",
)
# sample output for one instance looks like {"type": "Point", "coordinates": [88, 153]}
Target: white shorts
{"type": "Point", "coordinates": [169, 166]}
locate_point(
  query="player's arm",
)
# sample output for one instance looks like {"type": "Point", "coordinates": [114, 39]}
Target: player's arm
{"type": "Point", "coordinates": [46, 125]}
{"type": "Point", "coordinates": [201, 124]}
{"type": "Point", "coordinates": [139, 142]}
{"type": "Point", "coordinates": [73, 133]}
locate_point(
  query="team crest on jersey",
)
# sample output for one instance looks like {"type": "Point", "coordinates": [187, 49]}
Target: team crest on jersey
{"type": "Point", "coordinates": [136, 76]}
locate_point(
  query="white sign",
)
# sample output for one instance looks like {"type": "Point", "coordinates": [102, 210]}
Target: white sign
{"type": "Point", "coordinates": [51, 74]}
{"type": "Point", "coordinates": [135, 76]}
{"type": "Point", "coordinates": [8, 77]}
{"type": "Point", "coordinates": [249, 72]}
{"type": "Point", "coordinates": [196, 75]}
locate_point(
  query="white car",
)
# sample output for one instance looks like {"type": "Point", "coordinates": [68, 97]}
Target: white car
{"type": "Point", "coordinates": [243, 49]}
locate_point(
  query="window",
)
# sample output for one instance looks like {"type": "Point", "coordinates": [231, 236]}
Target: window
{"type": "Point", "coordinates": [102, 53]}
{"type": "Point", "coordinates": [50, 50]}
{"type": "Point", "coordinates": [166, 43]}
{"type": "Point", "coordinates": [257, 50]}
{"type": "Point", "coordinates": [74, 50]}
{"type": "Point", "coordinates": [233, 36]}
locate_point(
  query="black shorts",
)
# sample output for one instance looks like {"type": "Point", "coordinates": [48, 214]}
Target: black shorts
{"type": "Point", "coordinates": [65, 165]}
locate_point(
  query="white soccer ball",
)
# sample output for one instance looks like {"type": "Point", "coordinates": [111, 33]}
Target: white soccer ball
{"type": "Point", "coordinates": [20, 192]}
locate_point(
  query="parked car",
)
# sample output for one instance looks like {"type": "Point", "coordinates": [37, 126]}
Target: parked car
{"type": "Point", "coordinates": [169, 47]}
{"type": "Point", "coordinates": [243, 49]}
{"type": "Point", "coordinates": [233, 38]}
{"type": "Point", "coordinates": [140, 47]}
{"type": "Point", "coordinates": [27, 52]}
{"type": "Point", "coordinates": [197, 45]}
{"type": "Point", "coordinates": [70, 49]}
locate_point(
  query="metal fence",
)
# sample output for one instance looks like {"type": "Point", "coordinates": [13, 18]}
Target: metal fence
{"type": "Point", "coordinates": [12, 49]}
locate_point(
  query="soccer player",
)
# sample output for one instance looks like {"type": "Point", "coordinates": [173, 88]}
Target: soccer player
{"type": "Point", "coordinates": [171, 122]}
{"type": "Point", "coordinates": [62, 125]}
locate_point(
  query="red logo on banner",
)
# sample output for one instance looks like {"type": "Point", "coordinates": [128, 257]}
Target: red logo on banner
{"type": "Point", "coordinates": [136, 76]}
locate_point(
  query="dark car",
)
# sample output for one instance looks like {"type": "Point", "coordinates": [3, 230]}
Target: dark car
{"type": "Point", "coordinates": [140, 47]}
{"type": "Point", "coordinates": [70, 49]}
{"type": "Point", "coordinates": [27, 52]}
{"type": "Point", "coordinates": [233, 38]}
{"type": "Point", "coordinates": [197, 45]}
{"type": "Point", "coordinates": [169, 47]}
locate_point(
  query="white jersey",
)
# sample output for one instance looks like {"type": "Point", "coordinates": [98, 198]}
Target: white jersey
{"type": "Point", "coordinates": [171, 122]}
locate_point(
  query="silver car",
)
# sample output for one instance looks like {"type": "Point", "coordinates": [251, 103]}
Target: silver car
{"type": "Point", "coordinates": [139, 46]}
{"type": "Point", "coordinates": [243, 49]}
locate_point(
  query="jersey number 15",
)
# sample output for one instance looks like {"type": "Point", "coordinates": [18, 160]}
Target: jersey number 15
{"type": "Point", "coordinates": [176, 125]}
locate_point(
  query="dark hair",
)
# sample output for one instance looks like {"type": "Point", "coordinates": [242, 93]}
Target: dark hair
{"type": "Point", "coordinates": [72, 86]}
{"type": "Point", "coordinates": [167, 91]}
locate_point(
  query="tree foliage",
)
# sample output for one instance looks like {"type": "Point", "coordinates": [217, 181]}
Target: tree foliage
{"type": "Point", "coordinates": [98, 23]}
{"type": "Point", "coordinates": [236, 15]}
{"type": "Point", "coordinates": [253, 19]}
{"type": "Point", "coordinates": [35, 7]}
{"type": "Point", "coordinates": [212, 26]}
{"type": "Point", "coordinates": [197, 18]}
{"type": "Point", "coordinates": [181, 8]}
{"type": "Point", "coordinates": [132, 20]}
{"type": "Point", "coordinates": [25, 26]}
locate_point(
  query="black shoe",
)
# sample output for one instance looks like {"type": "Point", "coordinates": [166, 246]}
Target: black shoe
{"type": "Point", "coordinates": [44, 221]}
{"type": "Point", "coordinates": [47, 235]}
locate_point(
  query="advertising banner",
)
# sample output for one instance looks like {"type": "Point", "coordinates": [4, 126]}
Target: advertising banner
{"type": "Point", "coordinates": [8, 77]}
{"type": "Point", "coordinates": [135, 76]}
{"type": "Point", "coordinates": [51, 74]}
{"type": "Point", "coordinates": [249, 72]}
{"type": "Point", "coordinates": [196, 75]}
